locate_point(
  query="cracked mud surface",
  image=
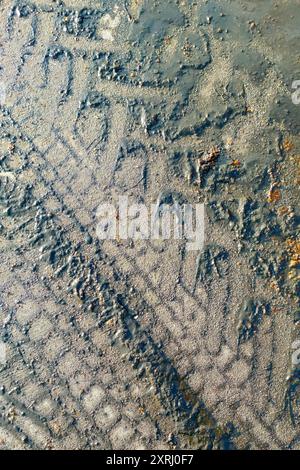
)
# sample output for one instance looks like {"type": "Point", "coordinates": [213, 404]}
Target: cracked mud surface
{"type": "Point", "coordinates": [145, 345]}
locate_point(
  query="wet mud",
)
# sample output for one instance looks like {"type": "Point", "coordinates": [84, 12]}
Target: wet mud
{"type": "Point", "coordinates": [162, 101]}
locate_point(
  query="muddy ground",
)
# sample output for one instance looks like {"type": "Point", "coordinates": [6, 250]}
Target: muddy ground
{"type": "Point", "coordinates": [143, 344]}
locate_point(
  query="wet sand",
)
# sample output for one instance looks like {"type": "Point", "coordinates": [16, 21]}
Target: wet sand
{"type": "Point", "coordinates": [143, 344]}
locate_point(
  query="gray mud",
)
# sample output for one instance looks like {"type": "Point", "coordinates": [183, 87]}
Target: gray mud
{"type": "Point", "coordinates": [144, 345]}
